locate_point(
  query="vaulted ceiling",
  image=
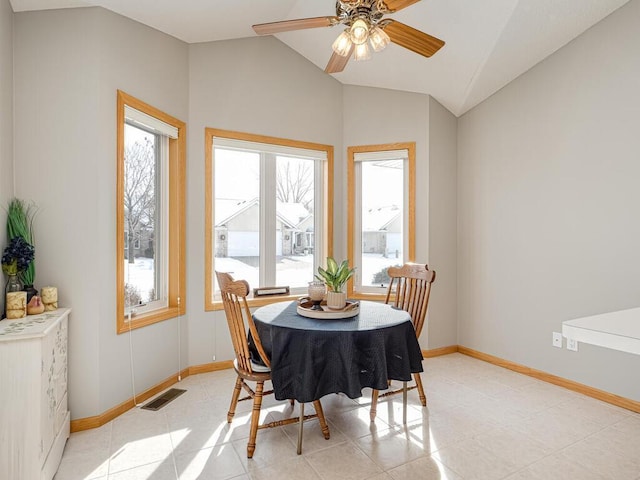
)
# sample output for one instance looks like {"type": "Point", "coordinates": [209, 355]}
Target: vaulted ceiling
{"type": "Point", "coordinates": [488, 43]}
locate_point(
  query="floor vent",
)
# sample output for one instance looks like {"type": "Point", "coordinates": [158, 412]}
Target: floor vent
{"type": "Point", "coordinates": [162, 400]}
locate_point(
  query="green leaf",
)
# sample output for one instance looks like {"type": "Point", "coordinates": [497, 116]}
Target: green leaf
{"type": "Point", "coordinates": [332, 266]}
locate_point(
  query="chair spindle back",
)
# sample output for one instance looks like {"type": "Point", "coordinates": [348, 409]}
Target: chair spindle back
{"type": "Point", "coordinates": [234, 298]}
{"type": "Point", "coordinates": [412, 289]}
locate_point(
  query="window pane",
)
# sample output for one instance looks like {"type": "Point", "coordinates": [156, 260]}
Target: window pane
{"type": "Point", "coordinates": [141, 197]}
{"type": "Point", "coordinates": [382, 186]}
{"type": "Point", "coordinates": [236, 236]}
{"type": "Point", "coordinates": [294, 221]}
{"type": "Point", "coordinates": [268, 218]}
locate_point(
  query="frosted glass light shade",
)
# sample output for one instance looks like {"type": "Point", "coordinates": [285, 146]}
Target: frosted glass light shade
{"type": "Point", "coordinates": [363, 52]}
{"type": "Point", "coordinates": [379, 39]}
{"type": "Point", "coordinates": [359, 32]}
{"type": "Point", "coordinates": [342, 44]}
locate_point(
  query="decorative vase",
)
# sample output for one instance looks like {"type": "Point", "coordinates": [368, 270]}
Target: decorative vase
{"type": "Point", "coordinates": [14, 284]}
{"type": "Point", "coordinates": [336, 300]}
{"type": "Point", "coordinates": [30, 292]}
{"type": "Point", "coordinates": [316, 294]}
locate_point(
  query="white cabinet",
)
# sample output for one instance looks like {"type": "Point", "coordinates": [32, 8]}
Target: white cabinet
{"type": "Point", "coordinates": [34, 418]}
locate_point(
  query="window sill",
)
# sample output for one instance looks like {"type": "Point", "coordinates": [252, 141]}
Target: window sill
{"type": "Point", "coordinates": [255, 302]}
{"type": "Point", "coordinates": [374, 297]}
{"type": "Point", "coordinates": [149, 318]}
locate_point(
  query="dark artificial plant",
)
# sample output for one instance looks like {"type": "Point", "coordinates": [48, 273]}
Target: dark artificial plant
{"type": "Point", "coordinates": [17, 256]}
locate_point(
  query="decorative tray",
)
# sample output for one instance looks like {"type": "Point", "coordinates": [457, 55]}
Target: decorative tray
{"type": "Point", "coordinates": [351, 309]}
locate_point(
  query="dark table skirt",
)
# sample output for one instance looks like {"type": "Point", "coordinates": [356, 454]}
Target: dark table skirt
{"type": "Point", "coordinates": [308, 364]}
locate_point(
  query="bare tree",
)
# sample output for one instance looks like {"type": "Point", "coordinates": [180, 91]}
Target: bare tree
{"type": "Point", "coordinates": [294, 182]}
{"type": "Point", "coordinates": [139, 193]}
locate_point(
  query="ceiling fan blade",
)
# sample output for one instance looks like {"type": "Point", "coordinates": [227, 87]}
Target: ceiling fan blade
{"type": "Point", "coordinates": [338, 62]}
{"type": "Point", "coordinates": [289, 25]}
{"type": "Point", "coordinates": [412, 39]}
{"type": "Point", "coordinates": [395, 5]}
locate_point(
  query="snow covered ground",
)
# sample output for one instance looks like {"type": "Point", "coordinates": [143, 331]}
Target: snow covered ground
{"type": "Point", "coordinates": [295, 271]}
{"type": "Point", "coordinates": [141, 275]}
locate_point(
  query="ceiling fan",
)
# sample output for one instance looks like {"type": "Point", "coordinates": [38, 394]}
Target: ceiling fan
{"type": "Point", "coordinates": [365, 24]}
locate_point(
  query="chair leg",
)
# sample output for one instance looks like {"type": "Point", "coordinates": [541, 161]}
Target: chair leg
{"type": "Point", "coordinates": [300, 428]}
{"type": "Point", "coordinates": [374, 405]}
{"type": "Point", "coordinates": [323, 422]}
{"type": "Point", "coordinates": [255, 419]}
{"type": "Point", "coordinates": [234, 399]}
{"type": "Point", "coordinates": [404, 403]}
{"type": "Point", "coordinates": [423, 397]}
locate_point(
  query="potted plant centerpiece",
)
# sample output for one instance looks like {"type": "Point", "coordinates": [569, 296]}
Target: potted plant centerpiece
{"type": "Point", "coordinates": [335, 276]}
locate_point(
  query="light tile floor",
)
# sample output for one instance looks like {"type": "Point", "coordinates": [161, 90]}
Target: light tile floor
{"type": "Point", "coordinates": [482, 422]}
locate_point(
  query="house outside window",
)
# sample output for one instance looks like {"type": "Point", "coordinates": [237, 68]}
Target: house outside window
{"type": "Point", "coordinates": [268, 210]}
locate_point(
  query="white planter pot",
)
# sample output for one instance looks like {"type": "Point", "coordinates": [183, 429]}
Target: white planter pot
{"type": "Point", "coordinates": [336, 300]}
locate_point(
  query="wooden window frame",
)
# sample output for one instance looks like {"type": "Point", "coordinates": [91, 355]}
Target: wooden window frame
{"type": "Point", "coordinates": [351, 207]}
{"type": "Point", "coordinates": [176, 304]}
{"type": "Point", "coordinates": [209, 303]}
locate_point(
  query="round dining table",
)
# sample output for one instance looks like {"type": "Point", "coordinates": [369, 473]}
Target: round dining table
{"type": "Point", "coordinates": [313, 357]}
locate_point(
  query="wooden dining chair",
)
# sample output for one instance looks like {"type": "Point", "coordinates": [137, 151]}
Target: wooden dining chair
{"type": "Point", "coordinates": [409, 289]}
{"type": "Point", "coordinates": [234, 297]}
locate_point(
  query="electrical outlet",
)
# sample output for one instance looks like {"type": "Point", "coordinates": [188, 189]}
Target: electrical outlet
{"type": "Point", "coordinates": [572, 344]}
{"type": "Point", "coordinates": [557, 339]}
{"type": "Point", "coordinates": [214, 358]}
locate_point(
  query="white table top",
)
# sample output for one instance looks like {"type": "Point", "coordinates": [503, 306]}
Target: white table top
{"type": "Point", "coordinates": [616, 330]}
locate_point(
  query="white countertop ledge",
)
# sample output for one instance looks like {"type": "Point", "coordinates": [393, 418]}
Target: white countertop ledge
{"type": "Point", "coordinates": [616, 330]}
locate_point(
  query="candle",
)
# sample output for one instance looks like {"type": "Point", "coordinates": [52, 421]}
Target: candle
{"type": "Point", "coordinates": [49, 298]}
{"type": "Point", "coordinates": [16, 303]}
{"type": "Point", "coordinates": [317, 291]}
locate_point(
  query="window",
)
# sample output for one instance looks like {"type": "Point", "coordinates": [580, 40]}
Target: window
{"type": "Point", "coordinates": [268, 214]}
{"type": "Point", "coordinates": [150, 215]}
{"type": "Point", "coordinates": [381, 213]}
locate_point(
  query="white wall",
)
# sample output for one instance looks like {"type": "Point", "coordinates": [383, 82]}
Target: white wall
{"type": "Point", "coordinates": [68, 66]}
{"type": "Point", "coordinates": [6, 118]}
{"type": "Point", "coordinates": [374, 116]}
{"type": "Point", "coordinates": [549, 206]}
{"type": "Point", "coordinates": [253, 85]}
{"type": "Point", "coordinates": [442, 180]}
{"type": "Point", "coordinates": [377, 116]}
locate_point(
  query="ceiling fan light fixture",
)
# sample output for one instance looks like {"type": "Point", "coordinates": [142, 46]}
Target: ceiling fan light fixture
{"type": "Point", "coordinates": [359, 31]}
{"type": "Point", "coordinates": [365, 27]}
{"type": "Point", "coordinates": [379, 39]}
{"type": "Point", "coordinates": [342, 44]}
{"type": "Point", "coordinates": [362, 52]}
